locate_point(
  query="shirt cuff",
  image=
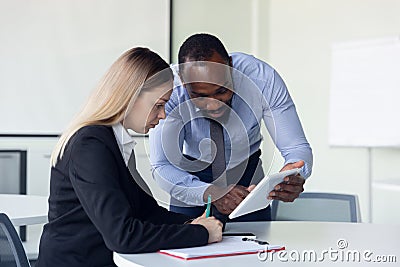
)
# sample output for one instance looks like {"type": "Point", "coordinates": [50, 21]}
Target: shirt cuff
{"type": "Point", "coordinates": [304, 171]}
{"type": "Point", "coordinates": [192, 195]}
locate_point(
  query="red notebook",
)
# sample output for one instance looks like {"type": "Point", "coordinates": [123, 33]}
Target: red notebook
{"type": "Point", "coordinates": [229, 246]}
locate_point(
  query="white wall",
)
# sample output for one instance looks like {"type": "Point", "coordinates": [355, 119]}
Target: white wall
{"type": "Point", "coordinates": [300, 36]}
{"type": "Point", "coordinates": [53, 53]}
{"type": "Point", "coordinates": [235, 23]}
{"type": "Point", "coordinates": [296, 37]}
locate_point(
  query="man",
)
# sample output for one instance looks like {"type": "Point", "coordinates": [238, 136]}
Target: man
{"type": "Point", "coordinates": [209, 144]}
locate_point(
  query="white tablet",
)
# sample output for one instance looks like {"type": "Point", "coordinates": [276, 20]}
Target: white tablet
{"type": "Point", "coordinates": [257, 199]}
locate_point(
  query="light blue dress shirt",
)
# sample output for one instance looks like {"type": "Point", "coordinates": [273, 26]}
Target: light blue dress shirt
{"type": "Point", "coordinates": [260, 94]}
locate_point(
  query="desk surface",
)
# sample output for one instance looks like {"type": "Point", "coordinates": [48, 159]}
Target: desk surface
{"type": "Point", "coordinates": [24, 209]}
{"type": "Point", "coordinates": [333, 243]}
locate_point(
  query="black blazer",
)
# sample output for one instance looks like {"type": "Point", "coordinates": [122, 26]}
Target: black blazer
{"type": "Point", "coordinates": [95, 208]}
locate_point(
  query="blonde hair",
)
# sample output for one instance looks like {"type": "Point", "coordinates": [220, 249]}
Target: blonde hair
{"type": "Point", "coordinates": [111, 98]}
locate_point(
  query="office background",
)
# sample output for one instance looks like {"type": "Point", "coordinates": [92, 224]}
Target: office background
{"type": "Point", "coordinates": [294, 36]}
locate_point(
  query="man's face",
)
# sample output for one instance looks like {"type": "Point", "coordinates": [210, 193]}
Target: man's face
{"type": "Point", "coordinates": [210, 85]}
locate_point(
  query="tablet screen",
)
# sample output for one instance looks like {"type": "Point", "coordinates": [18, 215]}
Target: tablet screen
{"type": "Point", "coordinates": [257, 199]}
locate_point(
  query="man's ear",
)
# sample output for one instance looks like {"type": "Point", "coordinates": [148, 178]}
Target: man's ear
{"type": "Point", "coordinates": [181, 77]}
{"type": "Point", "coordinates": [230, 65]}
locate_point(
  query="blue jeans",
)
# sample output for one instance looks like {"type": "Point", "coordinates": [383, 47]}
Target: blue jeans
{"type": "Point", "coordinates": [206, 176]}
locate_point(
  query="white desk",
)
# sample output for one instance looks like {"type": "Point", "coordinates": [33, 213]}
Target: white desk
{"type": "Point", "coordinates": [24, 209]}
{"type": "Point", "coordinates": [383, 240]}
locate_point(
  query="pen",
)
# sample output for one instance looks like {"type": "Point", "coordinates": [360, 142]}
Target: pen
{"type": "Point", "coordinates": [255, 240]}
{"type": "Point", "coordinates": [208, 209]}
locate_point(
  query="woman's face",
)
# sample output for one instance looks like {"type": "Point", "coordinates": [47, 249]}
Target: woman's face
{"type": "Point", "coordinates": [148, 108]}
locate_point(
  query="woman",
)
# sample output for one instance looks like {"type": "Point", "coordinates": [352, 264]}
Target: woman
{"type": "Point", "coordinates": [95, 206]}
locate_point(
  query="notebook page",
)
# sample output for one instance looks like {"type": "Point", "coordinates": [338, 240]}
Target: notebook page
{"type": "Point", "coordinates": [228, 245]}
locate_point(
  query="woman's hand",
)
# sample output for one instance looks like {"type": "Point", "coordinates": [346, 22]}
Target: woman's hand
{"type": "Point", "coordinates": [213, 226]}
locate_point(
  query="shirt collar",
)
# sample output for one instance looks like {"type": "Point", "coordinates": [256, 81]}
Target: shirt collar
{"type": "Point", "coordinates": [125, 141]}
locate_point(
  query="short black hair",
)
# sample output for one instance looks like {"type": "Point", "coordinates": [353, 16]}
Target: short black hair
{"type": "Point", "coordinates": [200, 47]}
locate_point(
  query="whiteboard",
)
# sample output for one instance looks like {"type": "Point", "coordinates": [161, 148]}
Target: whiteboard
{"type": "Point", "coordinates": [365, 93]}
{"type": "Point", "coordinates": [53, 53]}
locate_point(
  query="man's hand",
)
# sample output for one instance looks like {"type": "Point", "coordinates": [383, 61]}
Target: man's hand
{"type": "Point", "coordinates": [227, 199]}
{"type": "Point", "coordinates": [292, 186]}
